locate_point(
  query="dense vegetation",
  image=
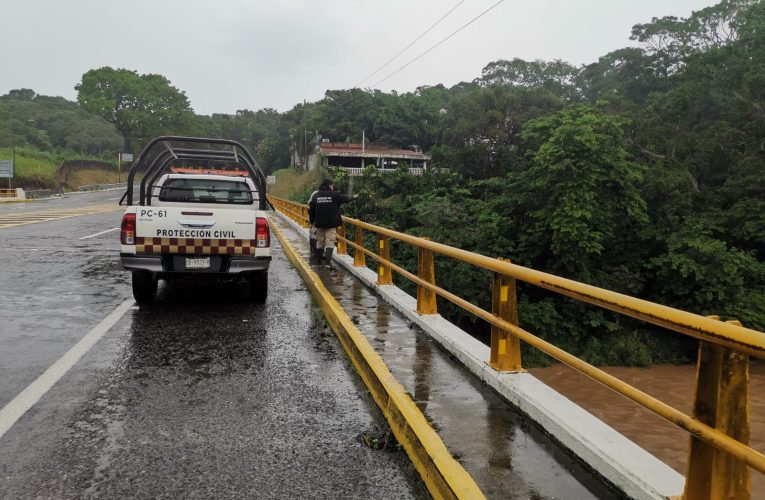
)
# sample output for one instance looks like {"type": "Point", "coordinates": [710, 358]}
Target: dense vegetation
{"type": "Point", "coordinates": [643, 172]}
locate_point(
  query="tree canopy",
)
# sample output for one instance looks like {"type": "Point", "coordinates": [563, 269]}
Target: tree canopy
{"type": "Point", "coordinates": [140, 106]}
{"type": "Point", "coordinates": [53, 123]}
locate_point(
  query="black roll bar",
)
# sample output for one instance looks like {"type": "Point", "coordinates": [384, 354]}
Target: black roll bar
{"type": "Point", "coordinates": [162, 151]}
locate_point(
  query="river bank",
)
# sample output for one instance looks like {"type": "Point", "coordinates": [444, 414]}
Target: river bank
{"type": "Point", "coordinates": [672, 384]}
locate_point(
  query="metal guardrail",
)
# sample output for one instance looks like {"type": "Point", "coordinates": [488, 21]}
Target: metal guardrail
{"type": "Point", "coordinates": [102, 187]}
{"type": "Point", "coordinates": [42, 193]}
{"type": "Point", "coordinates": [719, 426]}
{"type": "Point", "coordinates": [31, 194]}
{"type": "Point", "coordinates": [359, 172]}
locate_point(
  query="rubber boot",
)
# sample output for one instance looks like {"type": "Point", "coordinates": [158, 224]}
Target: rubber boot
{"type": "Point", "coordinates": [328, 257]}
{"type": "Point", "coordinates": [312, 246]}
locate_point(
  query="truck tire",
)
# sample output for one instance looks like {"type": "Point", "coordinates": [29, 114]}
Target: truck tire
{"type": "Point", "coordinates": [259, 287]}
{"type": "Point", "coordinates": [144, 287]}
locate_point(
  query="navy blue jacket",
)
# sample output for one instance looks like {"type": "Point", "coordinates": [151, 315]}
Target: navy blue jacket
{"type": "Point", "coordinates": [324, 208]}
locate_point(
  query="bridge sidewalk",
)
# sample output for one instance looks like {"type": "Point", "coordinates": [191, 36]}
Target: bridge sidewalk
{"type": "Point", "coordinates": [506, 454]}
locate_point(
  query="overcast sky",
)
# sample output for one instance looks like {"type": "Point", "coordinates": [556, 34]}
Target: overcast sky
{"type": "Point", "coordinates": [251, 54]}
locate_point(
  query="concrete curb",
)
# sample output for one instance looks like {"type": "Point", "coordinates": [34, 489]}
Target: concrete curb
{"type": "Point", "coordinates": [16, 200]}
{"type": "Point", "coordinates": [441, 473]}
{"type": "Point", "coordinates": [620, 461]}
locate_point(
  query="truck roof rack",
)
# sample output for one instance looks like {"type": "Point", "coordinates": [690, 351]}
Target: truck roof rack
{"type": "Point", "coordinates": [164, 153]}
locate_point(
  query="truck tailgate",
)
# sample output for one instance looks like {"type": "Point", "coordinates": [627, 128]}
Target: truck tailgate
{"type": "Point", "coordinates": [187, 230]}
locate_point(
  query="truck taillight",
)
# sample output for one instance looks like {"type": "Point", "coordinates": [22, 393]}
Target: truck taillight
{"type": "Point", "coordinates": [127, 234]}
{"type": "Point", "coordinates": [262, 233]}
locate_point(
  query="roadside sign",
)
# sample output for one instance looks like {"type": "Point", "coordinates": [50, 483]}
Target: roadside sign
{"type": "Point", "coordinates": [127, 156]}
{"type": "Point", "coordinates": [271, 179]}
{"type": "Point", "coordinates": [6, 169]}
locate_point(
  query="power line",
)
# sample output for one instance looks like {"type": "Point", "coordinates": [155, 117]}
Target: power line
{"type": "Point", "coordinates": [439, 43]}
{"type": "Point", "coordinates": [413, 42]}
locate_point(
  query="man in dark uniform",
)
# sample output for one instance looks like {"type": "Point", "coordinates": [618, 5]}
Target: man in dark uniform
{"type": "Point", "coordinates": [324, 214]}
{"type": "Point", "coordinates": [314, 253]}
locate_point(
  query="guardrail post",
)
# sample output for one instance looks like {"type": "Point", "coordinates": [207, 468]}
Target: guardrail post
{"type": "Point", "coordinates": [505, 348]}
{"type": "Point", "coordinates": [359, 258]}
{"type": "Point", "coordinates": [384, 275]}
{"type": "Point", "coordinates": [426, 299]}
{"type": "Point", "coordinates": [722, 402]}
{"type": "Point", "coordinates": [304, 218]}
{"type": "Point", "coordinates": [342, 247]}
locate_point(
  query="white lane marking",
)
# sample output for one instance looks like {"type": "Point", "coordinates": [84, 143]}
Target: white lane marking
{"type": "Point", "coordinates": [112, 199]}
{"type": "Point", "coordinates": [27, 398]}
{"type": "Point", "coordinates": [99, 234]}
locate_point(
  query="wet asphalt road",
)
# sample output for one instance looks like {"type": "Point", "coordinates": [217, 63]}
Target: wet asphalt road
{"type": "Point", "coordinates": [200, 395]}
{"type": "Point", "coordinates": [73, 200]}
{"type": "Point", "coordinates": [55, 287]}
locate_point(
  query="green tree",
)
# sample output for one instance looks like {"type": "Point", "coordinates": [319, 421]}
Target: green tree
{"type": "Point", "coordinates": [345, 114]}
{"type": "Point", "coordinates": [54, 124]}
{"type": "Point", "coordinates": [581, 203]}
{"type": "Point", "coordinates": [711, 122]}
{"type": "Point", "coordinates": [140, 106]}
{"type": "Point", "coordinates": [672, 40]}
{"type": "Point", "coordinates": [482, 128]}
{"type": "Point", "coordinates": [557, 76]}
{"type": "Point", "coordinates": [701, 274]}
{"type": "Point", "coordinates": [624, 77]}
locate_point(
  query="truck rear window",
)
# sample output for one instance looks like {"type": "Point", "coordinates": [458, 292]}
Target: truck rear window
{"type": "Point", "coordinates": [206, 191]}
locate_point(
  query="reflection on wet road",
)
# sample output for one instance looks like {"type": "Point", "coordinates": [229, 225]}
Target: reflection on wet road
{"type": "Point", "coordinates": [200, 395]}
{"type": "Point", "coordinates": [72, 200]}
{"type": "Point", "coordinates": [506, 455]}
{"type": "Point", "coordinates": [55, 288]}
{"type": "Point", "coordinates": [20, 219]}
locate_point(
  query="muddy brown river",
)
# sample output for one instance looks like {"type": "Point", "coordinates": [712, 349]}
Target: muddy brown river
{"type": "Point", "coordinates": [669, 383]}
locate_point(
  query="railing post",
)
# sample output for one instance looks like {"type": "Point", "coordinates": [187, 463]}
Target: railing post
{"type": "Point", "coordinates": [505, 348]}
{"type": "Point", "coordinates": [384, 275]}
{"type": "Point", "coordinates": [426, 299]}
{"type": "Point", "coordinates": [722, 402]}
{"type": "Point", "coordinates": [342, 247]}
{"type": "Point", "coordinates": [359, 259]}
{"type": "Point", "coordinates": [304, 220]}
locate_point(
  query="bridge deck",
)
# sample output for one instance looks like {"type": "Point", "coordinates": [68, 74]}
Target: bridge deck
{"type": "Point", "coordinates": [203, 394]}
{"type": "Point", "coordinates": [504, 452]}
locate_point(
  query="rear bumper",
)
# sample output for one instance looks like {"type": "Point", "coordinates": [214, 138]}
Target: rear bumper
{"type": "Point", "coordinates": [141, 263]}
{"type": "Point", "coordinates": [168, 265]}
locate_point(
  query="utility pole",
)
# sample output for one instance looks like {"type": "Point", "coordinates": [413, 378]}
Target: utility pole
{"type": "Point", "coordinates": [305, 139]}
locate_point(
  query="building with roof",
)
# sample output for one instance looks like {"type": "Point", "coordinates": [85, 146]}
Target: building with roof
{"type": "Point", "coordinates": [355, 157]}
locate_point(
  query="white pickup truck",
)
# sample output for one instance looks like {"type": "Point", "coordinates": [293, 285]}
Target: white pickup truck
{"type": "Point", "coordinates": [200, 213]}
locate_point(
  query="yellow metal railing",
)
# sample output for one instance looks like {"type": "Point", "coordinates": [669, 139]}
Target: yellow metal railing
{"type": "Point", "coordinates": [719, 425]}
{"type": "Point", "coordinates": [7, 193]}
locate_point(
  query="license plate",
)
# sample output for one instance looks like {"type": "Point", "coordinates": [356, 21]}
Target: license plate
{"type": "Point", "coordinates": [197, 262]}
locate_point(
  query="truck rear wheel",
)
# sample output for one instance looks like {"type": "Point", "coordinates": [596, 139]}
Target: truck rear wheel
{"type": "Point", "coordinates": [259, 286]}
{"type": "Point", "coordinates": [144, 287]}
